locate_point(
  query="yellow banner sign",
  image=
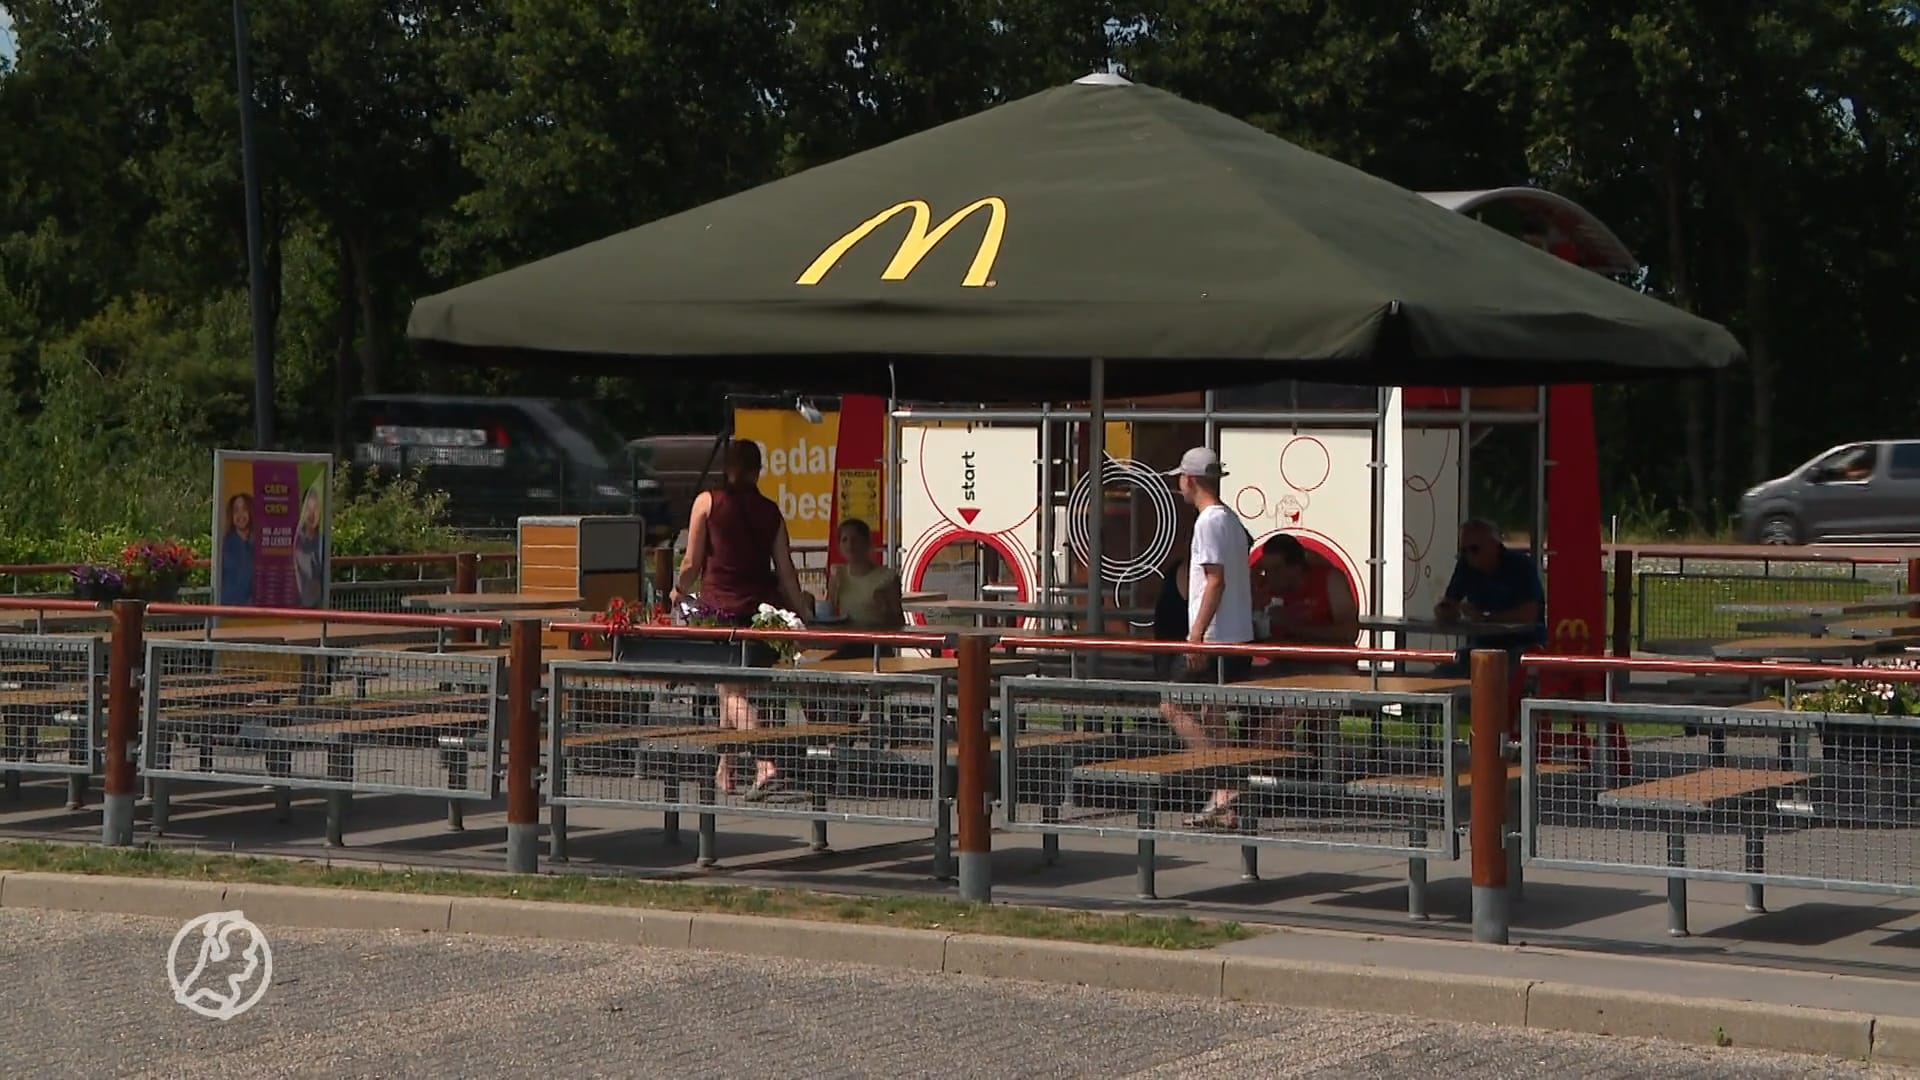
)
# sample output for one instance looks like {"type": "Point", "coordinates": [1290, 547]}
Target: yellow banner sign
{"type": "Point", "coordinates": [919, 240]}
{"type": "Point", "coordinates": [796, 470]}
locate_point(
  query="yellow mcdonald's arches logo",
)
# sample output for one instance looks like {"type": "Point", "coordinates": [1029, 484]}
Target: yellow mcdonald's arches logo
{"type": "Point", "coordinates": [920, 240]}
{"type": "Point", "coordinates": [1571, 630]}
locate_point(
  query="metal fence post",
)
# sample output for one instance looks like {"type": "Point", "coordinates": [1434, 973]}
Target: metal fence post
{"type": "Point", "coordinates": [1913, 585]}
{"type": "Point", "coordinates": [971, 798]}
{"type": "Point", "coordinates": [123, 720]}
{"type": "Point", "coordinates": [523, 747]}
{"type": "Point", "coordinates": [1488, 829]}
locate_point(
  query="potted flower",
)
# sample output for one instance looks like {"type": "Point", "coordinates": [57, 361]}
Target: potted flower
{"type": "Point", "coordinates": [99, 583]}
{"type": "Point", "coordinates": [1866, 743]}
{"type": "Point", "coordinates": [622, 617]}
{"type": "Point", "coordinates": [773, 618]}
{"type": "Point", "coordinates": [155, 570]}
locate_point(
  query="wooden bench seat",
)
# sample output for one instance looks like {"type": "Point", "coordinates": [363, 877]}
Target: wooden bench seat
{"type": "Point", "coordinates": [1698, 792]}
{"type": "Point", "coordinates": [368, 726]}
{"type": "Point", "coordinates": [1385, 684]}
{"type": "Point", "coordinates": [1433, 785]}
{"type": "Point", "coordinates": [727, 740]}
{"type": "Point", "coordinates": [630, 735]}
{"type": "Point", "coordinates": [1047, 740]}
{"type": "Point", "coordinates": [1222, 762]}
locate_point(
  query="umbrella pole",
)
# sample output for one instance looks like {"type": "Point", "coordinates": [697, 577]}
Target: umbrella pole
{"type": "Point", "coordinates": [1097, 496]}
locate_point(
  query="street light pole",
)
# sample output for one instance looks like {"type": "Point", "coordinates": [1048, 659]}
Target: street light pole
{"type": "Point", "coordinates": [256, 263]}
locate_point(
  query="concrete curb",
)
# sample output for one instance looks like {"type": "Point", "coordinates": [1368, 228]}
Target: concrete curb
{"type": "Point", "coordinates": [1483, 999]}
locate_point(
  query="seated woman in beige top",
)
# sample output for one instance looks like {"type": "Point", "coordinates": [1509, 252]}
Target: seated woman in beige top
{"type": "Point", "coordinates": [861, 590]}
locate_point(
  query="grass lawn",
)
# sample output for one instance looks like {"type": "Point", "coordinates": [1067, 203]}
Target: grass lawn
{"type": "Point", "coordinates": [954, 916]}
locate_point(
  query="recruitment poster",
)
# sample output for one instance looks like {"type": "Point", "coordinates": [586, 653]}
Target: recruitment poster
{"type": "Point", "coordinates": [797, 458]}
{"type": "Point", "coordinates": [271, 525]}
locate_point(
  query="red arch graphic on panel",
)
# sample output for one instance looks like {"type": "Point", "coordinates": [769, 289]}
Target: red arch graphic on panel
{"type": "Point", "coordinates": [1314, 543]}
{"type": "Point", "coordinates": [917, 574]}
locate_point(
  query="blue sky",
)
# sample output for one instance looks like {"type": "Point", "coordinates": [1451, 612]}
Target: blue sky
{"type": "Point", "coordinates": [6, 33]}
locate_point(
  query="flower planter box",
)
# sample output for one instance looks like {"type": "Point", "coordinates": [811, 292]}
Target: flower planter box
{"type": "Point", "coordinates": [681, 651]}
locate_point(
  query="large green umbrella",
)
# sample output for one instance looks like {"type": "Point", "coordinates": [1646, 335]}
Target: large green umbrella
{"type": "Point", "coordinates": [990, 258]}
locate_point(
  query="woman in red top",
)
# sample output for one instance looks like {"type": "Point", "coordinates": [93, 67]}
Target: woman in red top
{"type": "Point", "coordinates": [737, 551]}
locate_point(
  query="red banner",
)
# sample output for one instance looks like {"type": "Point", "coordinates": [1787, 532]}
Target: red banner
{"type": "Point", "coordinates": [1577, 592]}
{"type": "Point", "coordinates": [859, 473]}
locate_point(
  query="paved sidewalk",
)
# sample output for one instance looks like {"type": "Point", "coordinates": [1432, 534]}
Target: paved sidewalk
{"type": "Point", "coordinates": [87, 995]}
{"type": "Point", "coordinates": [1603, 922]}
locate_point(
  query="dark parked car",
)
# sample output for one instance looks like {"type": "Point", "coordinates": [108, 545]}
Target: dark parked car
{"type": "Point", "coordinates": [501, 458]}
{"type": "Point", "coordinates": [1862, 492]}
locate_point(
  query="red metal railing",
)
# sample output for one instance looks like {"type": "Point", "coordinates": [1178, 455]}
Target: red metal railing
{"type": "Point", "coordinates": [23, 603]}
{"type": "Point", "coordinates": [329, 616]}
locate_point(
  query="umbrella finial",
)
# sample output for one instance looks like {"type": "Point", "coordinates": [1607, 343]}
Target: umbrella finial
{"type": "Point", "coordinates": [1102, 78]}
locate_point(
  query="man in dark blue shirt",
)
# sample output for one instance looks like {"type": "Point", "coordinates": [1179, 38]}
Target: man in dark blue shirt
{"type": "Point", "coordinates": [1492, 583]}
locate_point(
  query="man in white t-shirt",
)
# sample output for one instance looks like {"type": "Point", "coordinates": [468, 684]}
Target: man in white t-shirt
{"type": "Point", "coordinates": [1219, 612]}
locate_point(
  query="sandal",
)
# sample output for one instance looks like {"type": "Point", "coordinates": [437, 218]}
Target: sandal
{"type": "Point", "coordinates": [763, 788]}
{"type": "Point", "coordinates": [1217, 816]}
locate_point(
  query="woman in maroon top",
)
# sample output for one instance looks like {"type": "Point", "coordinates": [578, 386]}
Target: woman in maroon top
{"type": "Point", "coordinates": [738, 552]}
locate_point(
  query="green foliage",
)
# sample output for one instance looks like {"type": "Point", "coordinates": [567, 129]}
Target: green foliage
{"type": "Point", "coordinates": [1763, 167]}
{"type": "Point", "coordinates": [374, 517]}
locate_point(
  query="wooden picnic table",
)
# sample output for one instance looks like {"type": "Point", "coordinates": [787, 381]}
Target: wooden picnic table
{"type": "Point", "coordinates": [493, 602]}
{"type": "Point", "coordinates": [302, 634]}
{"type": "Point", "coordinates": [1358, 683]}
{"type": "Point", "coordinates": [56, 622]}
{"type": "Point", "coordinates": [917, 665]}
{"type": "Point", "coordinates": [1903, 599]}
{"type": "Point", "coordinates": [1818, 608]}
{"type": "Point", "coordinates": [1799, 647]}
{"type": "Point", "coordinates": [1463, 629]}
{"type": "Point", "coordinates": [1020, 609]}
{"type": "Point", "coordinates": [1874, 626]}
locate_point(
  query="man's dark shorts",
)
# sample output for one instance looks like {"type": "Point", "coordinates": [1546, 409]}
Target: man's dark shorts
{"type": "Point", "coordinates": [1236, 669]}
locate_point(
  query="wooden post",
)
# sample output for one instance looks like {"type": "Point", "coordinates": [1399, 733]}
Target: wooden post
{"type": "Point", "coordinates": [466, 580]}
{"type": "Point", "coordinates": [1488, 828]}
{"type": "Point", "coordinates": [1623, 602]}
{"type": "Point", "coordinates": [971, 797]}
{"type": "Point", "coordinates": [523, 747]}
{"type": "Point", "coordinates": [123, 719]}
{"type": "Point", "coordinates": [1913, 586]}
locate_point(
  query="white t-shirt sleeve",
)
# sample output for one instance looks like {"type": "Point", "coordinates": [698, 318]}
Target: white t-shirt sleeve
{"type": "Point", "coordinates": [1209, 539]}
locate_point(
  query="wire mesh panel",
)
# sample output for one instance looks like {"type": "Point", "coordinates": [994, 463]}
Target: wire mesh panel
{"type": "Point", "coordinates": [755, 741]}
{"type": "Point", "coordinates": [1761, 795]}
{"type": "Point", "coordinates": [357, 720]}
{"type": "Point", "coordinates": [1676, 606]}
{"type": "Point", "coordinates": [383, 596]}
{"type": "Point", "coordinates": [1245, 764]}
{"type": "Point", "coordinates": [52, 703]}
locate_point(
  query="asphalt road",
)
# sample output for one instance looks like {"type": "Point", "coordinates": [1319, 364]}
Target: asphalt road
{"type": "Point", "coordinates": [88, 995]}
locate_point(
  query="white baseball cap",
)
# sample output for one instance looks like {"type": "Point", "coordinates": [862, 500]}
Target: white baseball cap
{"type": "Point", "coordinates": [1199, 461]}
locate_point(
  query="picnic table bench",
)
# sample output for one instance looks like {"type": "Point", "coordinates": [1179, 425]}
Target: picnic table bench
{"type": "Point", "coordinates": [1714, 800]}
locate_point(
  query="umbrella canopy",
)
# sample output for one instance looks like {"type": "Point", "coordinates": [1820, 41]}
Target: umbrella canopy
{"type": "Point", "coordinates": [989, 258]}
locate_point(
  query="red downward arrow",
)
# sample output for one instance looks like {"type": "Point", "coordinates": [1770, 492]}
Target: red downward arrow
{"type": "Point", "coordinates": [967, 514]}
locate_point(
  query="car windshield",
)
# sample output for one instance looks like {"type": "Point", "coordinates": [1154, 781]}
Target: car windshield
{"type": "Point", "coordinates": [592, 424]}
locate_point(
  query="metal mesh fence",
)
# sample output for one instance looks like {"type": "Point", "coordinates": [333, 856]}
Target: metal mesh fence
{"type": "Point", "coordinates": [335, 719]}
{"type": "Point", "coordinates": [756, 741]}
{"type": "Point", "coordinates": [1243, 764]}
{"type": "Point", "coordinates": [52, 703]}
{"type": "Point", "coordinates": [1826, 800]}
{"type": "Point", "coordinates": [1686, 606]}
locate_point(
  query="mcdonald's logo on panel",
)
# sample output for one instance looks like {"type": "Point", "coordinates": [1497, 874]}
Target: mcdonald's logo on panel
{"type": "Point", "coordinates": [1572, 630]}
{"type": "Point", "coordinates": [920, 240]}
